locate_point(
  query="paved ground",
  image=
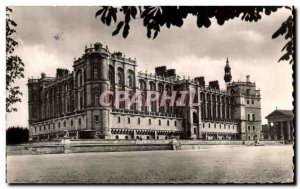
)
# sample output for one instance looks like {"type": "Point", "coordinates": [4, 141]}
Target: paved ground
{"type": "Point", "coordinates": [237, 164]}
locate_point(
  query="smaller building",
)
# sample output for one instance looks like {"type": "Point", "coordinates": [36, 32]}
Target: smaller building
{"type": "Point", "coordinates": [280, 125]}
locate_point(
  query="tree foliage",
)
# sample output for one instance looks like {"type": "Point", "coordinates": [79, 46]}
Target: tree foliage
{"type": "Point", "coordinates": [286, 29]}
{"type": "Point", "coordinates": [14, 65]}
{"type": "Point", "coordinates": [156, 17]}
{"type": "Point", "coordinates": [16, 135]}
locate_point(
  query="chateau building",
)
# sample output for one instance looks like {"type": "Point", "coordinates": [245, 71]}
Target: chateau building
{"type": "Point", "coordinates": [70, 102]}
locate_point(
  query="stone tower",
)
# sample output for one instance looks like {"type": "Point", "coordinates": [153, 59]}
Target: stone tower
{"type": "Point", "coordinates": [227, 76]}
{"type": "Point", "coordinates": [246, 108]}
{"type": "Point", "coordinates": [97, 83]}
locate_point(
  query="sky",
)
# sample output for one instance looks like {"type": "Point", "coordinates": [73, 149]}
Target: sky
{"type": "Point", "coordinates": [191, 51]}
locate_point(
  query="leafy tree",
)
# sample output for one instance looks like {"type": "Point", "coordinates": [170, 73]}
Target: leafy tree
{"type": "Point", "coordinates": [286, 30]}
{"type": "Point", "coordinates": [15, 135]}
{"type": "Point", "coordinates": [14, 65]}
{"type": "Point", "coordinates": [155, 17]}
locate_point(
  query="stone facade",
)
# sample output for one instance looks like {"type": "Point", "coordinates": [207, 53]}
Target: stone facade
{"type": "Point", "coordinates": [70, 102]}
{"type": "Point", "coordinates": [280, 125]}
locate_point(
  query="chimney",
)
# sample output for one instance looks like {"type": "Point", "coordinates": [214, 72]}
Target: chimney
{"type": "Point", "coordinates": [248, 78]}
{"type": "Point", "coordinates": [43, 75]}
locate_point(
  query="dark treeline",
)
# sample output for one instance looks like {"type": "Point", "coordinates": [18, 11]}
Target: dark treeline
{"type": "Point", "coordinates": [16, 135]}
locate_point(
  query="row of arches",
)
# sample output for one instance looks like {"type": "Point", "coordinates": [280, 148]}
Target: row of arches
{"type": "Point", "coordinates": [215, 107]}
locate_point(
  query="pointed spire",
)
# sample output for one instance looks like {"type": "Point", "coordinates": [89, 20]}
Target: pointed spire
{"type": "Point", "coordinates": [227, 76]}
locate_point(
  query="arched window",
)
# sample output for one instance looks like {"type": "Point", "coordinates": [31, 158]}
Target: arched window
{"type": "Point", "coordinates": [195, 131]}
{"type": "Point", "coordinates": [253, 117]}
{"type": "Point", "coordinates": [71, 122]}
{"type": "Point", "coordinates": [79, 121]}
{"type": "Point", "coordinates": [119, 120]}
{"type": "Point", "coordinates": [139, 121]}
{"type": "Point", "coordinates": [152, 86]}
{"type": "Point", "coordinates": [79, 78]}
{"type": "Point", "coordinates": [111, 75]}
{"type": "Point", "coordinates": [81, 101]}
{"type": "Point", "coordinates": [120, 77]}
{"type": "Point", "coordinates": [168, 123]}
{"type": "Point", "coordinates": [65, 124]}
{"type": "Point", "coordinates": [130, 78]}
{"type": "Point", "coordinates": [248, 117]}
{"type": "Point", "coordinates": [117, 137]}
{"type": "Point", "coordinates": [128, 120]}
{"type": "Point", "coordinates": [160, 88]}
{"type": "Point", "coordinates": [130, 81]}
{"type": "Point", "coordinates": [149, 121]}
{"type": "Point", "coordinates": [175, 123]}
{"type": "Point", "coordinates": [142, 85]}
{"type": "Point", "coordinates": [159, 122]}
{"type": "Point", "coordinates": [148, 137]}
{"type": "Point", "coordinates": [126, 137]}
{"type": "Point", "coordinates": [168, 88]}
{"type": "Point", "coordinates": [58, 125]}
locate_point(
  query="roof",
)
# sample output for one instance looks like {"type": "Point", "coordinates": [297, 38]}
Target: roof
{"type": "Point", "coordinates": [277, 113]}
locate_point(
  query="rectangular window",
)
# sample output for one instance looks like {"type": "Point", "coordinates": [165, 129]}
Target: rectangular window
{"type": "Point", "coordinates": [40, 128]}
{"type": "Point", "coordinates": [119, 120]}
{"type": "Point", "coordinates": [215, 126]}
{"type": "Point", "coordinates": [128, 120]}
{"type": "Point", "coordinates": [139, 121]}
{"type": "Point", "coordinates": [209, 125]}
{"type": "Point", "coordinates": [149, 121]}
{"type": "Point", "coordinates": [34, 129]}
{"type": "Point", "coordinates": [95, 73]}
{"type": "Point", "coordinates": [203, 125]}
{"type": "Point", "coordinates": [247, 101]}
{"type": "Point", "coordinates": [175, 123]}
{"type": "Point", "coordinates": [96, 118]}
{"type": "Point", "coordinates": [252, 101]}
{"type": "Point", "coordinates": [168, 123]}
{"type": "Point", "coordinates": [253, 128]}
{"type": "Point", "coordinates": [159, 122]}
{"type": "Point", "coordinates": [249, 128]}
{"type": "Point", "coordinates": [79, 121]}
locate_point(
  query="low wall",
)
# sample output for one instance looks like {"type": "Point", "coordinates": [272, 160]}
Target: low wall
{"type": "Point", "coordinates": [77, 146]}
{"type": "Point", "coordinates": [97, 145]}
{"type": "Point", "coordinates": [205, 144]}
{"type": "Point", "coordinates": [118, 148]}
